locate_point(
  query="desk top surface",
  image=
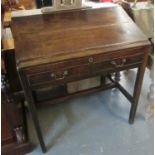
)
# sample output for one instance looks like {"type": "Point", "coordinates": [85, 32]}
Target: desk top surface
{"type": "Point", "coordinates": [55, 37]}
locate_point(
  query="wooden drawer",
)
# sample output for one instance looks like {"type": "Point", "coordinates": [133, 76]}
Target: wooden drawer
{"type": "Point", "coordinates": [55, 66]}
{"type": "Point", "coordinates": [117, 63]}
{"type": "Point", "coordinates": [59, 72]}
{"type": "Point", "coordinates": [59, 76]}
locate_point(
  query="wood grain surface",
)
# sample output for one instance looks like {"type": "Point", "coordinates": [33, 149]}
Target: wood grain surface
{"type": "Point", "coordinates": [56, 37]}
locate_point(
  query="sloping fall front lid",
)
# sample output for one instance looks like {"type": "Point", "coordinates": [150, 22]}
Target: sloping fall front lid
{"type": "Point", "coordinates": [55, 37]}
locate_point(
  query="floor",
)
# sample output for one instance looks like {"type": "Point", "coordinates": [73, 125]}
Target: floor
{"type": "Point", "coordinates": [97, 124]}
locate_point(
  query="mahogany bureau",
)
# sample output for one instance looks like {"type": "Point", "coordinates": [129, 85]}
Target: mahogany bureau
{"type": "Point", "coordinates": [54, 49]}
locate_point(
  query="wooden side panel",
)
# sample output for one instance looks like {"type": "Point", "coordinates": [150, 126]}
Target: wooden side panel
{"type": "Point", "coordinates": [6, 132]}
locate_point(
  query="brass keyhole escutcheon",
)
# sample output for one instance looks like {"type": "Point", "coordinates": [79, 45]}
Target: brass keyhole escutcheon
{"type": "Point", "coordinates": [91, 60]}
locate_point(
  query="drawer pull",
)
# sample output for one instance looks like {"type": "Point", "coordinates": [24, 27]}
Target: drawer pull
{"type": "Point", "coordinates": [119, 65]}
{"type": "Point", "coordinates": [59, 78]}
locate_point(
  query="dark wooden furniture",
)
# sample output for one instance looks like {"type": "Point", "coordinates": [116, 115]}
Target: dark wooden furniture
{"type": "Point", "coordinates": [14, 139]}
{"type": "Point", "coordinates": [63, 47]}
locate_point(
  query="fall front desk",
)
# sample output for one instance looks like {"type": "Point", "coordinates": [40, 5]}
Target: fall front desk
{"type": "Point", "coordinates": [58, 48]}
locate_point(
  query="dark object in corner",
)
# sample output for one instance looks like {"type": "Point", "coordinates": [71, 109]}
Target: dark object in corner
{"type": "Point", "coordinates": [39, 4]}
{"type": "Point", "coordinates": [47, 2]}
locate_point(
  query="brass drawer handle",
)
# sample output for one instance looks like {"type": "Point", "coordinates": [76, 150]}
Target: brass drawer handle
{"type": "Point", "coordinates": [59, 78]}
{"type": "Point", "coordinates": [118, 65]}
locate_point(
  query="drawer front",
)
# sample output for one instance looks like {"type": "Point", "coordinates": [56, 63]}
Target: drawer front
{"type": "Point", "coordinates": [60, 76]}
{"type": "Point", "coordinates": [54, 67]}
{"type": "Point", "coordinates": [117, 64]}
